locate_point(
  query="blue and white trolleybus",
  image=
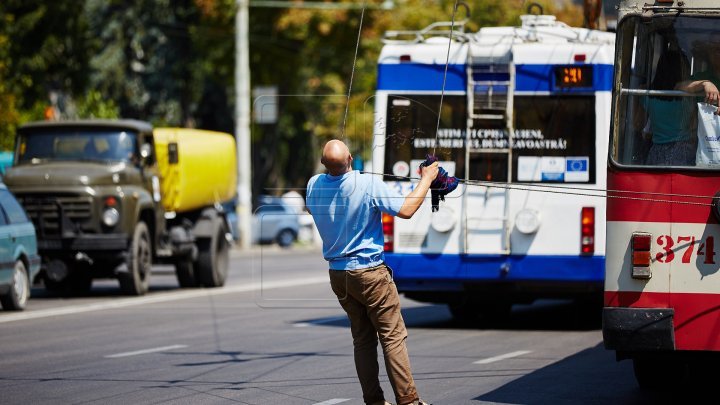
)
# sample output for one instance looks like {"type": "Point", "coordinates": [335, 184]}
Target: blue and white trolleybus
{"type": "Point", "coordinates": [524, 122]}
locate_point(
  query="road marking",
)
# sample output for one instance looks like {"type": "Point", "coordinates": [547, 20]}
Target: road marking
{"type": "Point", "coordinates": [332, 401]}
{"type": "Point", "coordinates": [319, 321]}
{"type": "Point", "coordinates": [502, 357]}
{"type": "Point", "coordinates": [146, 351]}
{"type": "Point", "coordinates": [171, 296]}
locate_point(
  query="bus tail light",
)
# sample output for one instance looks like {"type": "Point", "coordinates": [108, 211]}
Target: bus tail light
{"type": "Point", "coordinates": [587, 230]}
{"type": "Point", "coordinates": [388, 226]}
{"type": "Point", "coordinates": [641, 255]}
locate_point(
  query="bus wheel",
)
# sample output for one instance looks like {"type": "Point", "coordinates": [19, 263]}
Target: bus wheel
{"type": "Point", "coordinates": [463, 311]}
{"type": "Point", "coordinates": [495, 311]}
{"type": "Point", "coordinates": [654, 372]}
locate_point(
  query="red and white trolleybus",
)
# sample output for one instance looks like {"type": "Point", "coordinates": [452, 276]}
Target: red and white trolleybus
{"type": "Point", "coordinates": [662, 273]}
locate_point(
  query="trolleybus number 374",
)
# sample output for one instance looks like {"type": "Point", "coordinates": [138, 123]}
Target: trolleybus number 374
{"type": "Point", "coordinates": [670, 246]}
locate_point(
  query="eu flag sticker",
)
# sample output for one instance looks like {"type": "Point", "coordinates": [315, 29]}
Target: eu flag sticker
{"type": "Point", "coordinates": [577, 169]}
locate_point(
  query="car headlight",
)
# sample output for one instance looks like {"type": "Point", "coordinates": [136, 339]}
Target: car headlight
{"type": "Point", "coordinates": [110, 217]}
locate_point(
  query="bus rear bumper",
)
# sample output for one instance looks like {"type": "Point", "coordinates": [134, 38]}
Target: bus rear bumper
{"type": "Point", "coordinates": [638, 329]}
{"type": "Point", "coordinates": [457, 272]}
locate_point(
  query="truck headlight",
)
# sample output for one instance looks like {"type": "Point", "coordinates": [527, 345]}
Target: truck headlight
{"type": "Point", "coordinates": [110, 216]}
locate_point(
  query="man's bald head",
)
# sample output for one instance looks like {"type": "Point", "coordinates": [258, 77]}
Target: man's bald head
{"type": "Point", "coordinates": [336, 157]}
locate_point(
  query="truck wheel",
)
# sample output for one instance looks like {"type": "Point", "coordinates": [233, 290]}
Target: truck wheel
{"type": "Point", "coordinates": [185, 272]}
{"type": "Point", "coordinates": [213, 260]}
{"type": "Point", "coordinates": [136, 280]}
{"type": "Point", "coordinates": [16, 298]}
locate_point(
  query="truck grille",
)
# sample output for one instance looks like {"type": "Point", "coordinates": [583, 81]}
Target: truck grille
{"type": "Point", "coordinates": [46, 212]}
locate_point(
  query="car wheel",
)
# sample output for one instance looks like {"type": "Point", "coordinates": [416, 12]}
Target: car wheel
{"type": "Point", "coordinates": [16, 298]}
{"type": "Point", "coordinates": [136, 280]}
{"type": "Point", "coordinates": [285, 238]}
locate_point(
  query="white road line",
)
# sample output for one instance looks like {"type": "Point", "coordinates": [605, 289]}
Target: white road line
{"type": "Point", "coordinates": [165, 297]}
{"type": "Point", "coordinates": [502, 357]}
{"type": "Point", "coordinates": [319, 321]}
{"type": "Point", "coordinates": [146, 351]}
{"type": "Point", "coordinates": [332, 401]}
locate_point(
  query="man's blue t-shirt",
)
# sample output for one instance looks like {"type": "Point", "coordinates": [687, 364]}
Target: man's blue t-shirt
{"type": "Point", "coordinates": [347, 210]}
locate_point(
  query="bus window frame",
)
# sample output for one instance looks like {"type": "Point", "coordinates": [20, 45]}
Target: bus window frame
{"type": "Point", "coordinates": [617, 97]}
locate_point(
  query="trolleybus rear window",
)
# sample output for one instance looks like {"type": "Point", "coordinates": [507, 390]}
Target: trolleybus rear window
{"type": "Point", "coordinates": [553, 141]}
{"type": "Point", "coordinates": [656, 110]}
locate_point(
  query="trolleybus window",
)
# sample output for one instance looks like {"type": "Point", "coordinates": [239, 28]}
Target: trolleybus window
{"type": "Point", "coordinates": [549, 127]}
{"type": "Point", "coordinates": [411, 127]}
{"type": "Point", "coordinates": [655, 121]}
{"type": "Point", "coordinates": [546, 127]}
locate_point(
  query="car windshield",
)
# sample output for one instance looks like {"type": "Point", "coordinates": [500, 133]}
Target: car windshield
{"type": "Point", "coordinates": [77, 144]}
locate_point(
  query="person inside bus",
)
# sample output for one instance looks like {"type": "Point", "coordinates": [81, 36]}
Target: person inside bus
{"type": "Point", "coordinates": [708, 81]}
{"type": "Point", "coordinates": [669, 118]}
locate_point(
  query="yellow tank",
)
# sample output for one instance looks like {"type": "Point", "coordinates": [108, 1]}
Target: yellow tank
{"type": "Point", "coordinates": [205, 172]}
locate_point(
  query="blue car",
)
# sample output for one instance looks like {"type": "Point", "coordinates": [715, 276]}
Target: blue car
{"type": "Point", "coordinates": [19, 259]}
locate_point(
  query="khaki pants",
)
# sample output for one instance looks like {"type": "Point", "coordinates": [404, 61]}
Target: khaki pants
{"type": "Point", "coordinates": [372, 304]}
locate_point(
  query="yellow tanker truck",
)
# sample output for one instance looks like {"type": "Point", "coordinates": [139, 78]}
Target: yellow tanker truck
{"type": "Point", "coordinates": [109, 198]}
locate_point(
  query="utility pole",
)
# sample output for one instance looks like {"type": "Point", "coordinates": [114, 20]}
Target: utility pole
{"type": "Point", "coordinates": [242, 121]}
{"type": "Point", "coordinates": [242, 95]}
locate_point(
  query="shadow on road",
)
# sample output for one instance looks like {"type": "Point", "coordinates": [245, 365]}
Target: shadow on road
{"type": "Point", "coordinates": [589, 377]}
{"type": "Point", "coordinates": [543, 315]}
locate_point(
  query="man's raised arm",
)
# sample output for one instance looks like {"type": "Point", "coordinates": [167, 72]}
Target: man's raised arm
{"type": "Point", "coordinates": [414, 200]}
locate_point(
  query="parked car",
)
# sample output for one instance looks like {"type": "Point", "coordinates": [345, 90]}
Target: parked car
{"type": "Point", "coordinates": [275, 221]}
{"type": "Point", "coordinates": [19, 259]}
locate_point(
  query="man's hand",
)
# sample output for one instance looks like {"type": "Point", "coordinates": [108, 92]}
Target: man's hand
{"type": "Point", "coordinates": [429, 173]}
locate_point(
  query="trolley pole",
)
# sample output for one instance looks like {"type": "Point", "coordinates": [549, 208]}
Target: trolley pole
{"type": "Point", "coordinates": [242, 121]}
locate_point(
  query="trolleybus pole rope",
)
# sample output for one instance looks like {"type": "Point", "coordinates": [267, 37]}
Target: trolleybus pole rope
{"type": "Point", "coordinates": [447, 62]}
{"type": "Point", "coordinates": [352, 73]}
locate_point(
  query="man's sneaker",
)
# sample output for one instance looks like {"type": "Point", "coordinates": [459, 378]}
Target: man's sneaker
{"type": "Point", "coordinates": [420, 402]}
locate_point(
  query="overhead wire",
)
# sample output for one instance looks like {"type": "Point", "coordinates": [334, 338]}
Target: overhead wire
{"type": "Point", "coordinates": [563, 190]}
{"type": "Point", "coordinates": [352, 73]}
{"type": "Point", "coordinates": [447, 63]}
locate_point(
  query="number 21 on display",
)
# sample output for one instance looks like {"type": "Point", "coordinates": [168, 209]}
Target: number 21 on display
{"type": "Point", "coordinates": [685, 246]}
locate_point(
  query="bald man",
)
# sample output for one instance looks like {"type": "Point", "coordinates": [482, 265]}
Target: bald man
{"type": "Point", "coordinates": [347, 207]}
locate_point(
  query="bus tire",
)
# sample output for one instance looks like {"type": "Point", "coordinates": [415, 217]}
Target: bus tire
{"type": "Point", "coordinates": [463, 311]}
{"type": "Point", "coordinates": [658, 372]}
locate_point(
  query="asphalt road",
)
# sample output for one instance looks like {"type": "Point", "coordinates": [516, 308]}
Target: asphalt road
{"type": "Point", "coordinates": [276, 335]}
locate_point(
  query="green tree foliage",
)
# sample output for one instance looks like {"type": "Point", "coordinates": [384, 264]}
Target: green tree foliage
{"type": "Point", "coordinates": [42, 47]}
{"type": "Point", "coordinates": [144, 56]}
